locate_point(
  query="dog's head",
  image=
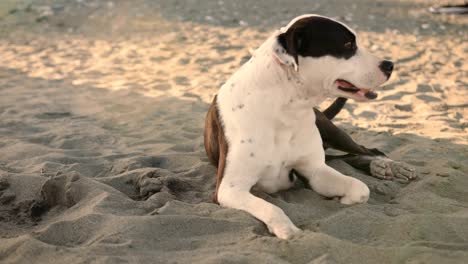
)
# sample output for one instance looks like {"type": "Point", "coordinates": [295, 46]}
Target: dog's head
{"type": "Point", "coordinates": [326, 56]}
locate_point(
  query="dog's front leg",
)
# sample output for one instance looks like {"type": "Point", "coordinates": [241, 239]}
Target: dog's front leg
{"type": "Point", "coordinates": [331, 183]}
{"type": "Point", "coordinates": [234, 192]}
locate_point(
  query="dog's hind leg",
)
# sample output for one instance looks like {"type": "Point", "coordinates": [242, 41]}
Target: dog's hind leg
{"type": "Point", "coordinates": [334, 137]}
{"type": "Point", "coordinates": [335, 108]}
{"type": "Point", "coordinates": [240, 176]}
{"type": "Point", "coordinates": [379, 167]}
{"type": "Point", "coordinates": [373, 161]}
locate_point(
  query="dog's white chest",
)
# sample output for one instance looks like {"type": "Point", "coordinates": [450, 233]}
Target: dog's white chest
{"type": "Point", "coordinates": [289, 127]}
{"type": "Point", "coordinates": [294, 137]}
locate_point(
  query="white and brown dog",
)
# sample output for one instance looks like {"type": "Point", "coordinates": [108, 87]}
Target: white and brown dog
{"type": "Point", "coordinates": [262, 124]}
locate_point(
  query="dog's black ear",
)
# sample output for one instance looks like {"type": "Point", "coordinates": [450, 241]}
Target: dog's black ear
{"type": "Point", "coordinates": [287, 49]}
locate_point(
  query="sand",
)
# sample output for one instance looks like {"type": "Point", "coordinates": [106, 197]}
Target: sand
{"type": "Point", "coordinates": [101, 117]}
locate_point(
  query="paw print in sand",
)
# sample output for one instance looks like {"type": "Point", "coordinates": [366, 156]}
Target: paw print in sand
{"type": "Point", "coordinates": [6, 195]}
{"type": "Point", "coordinates": [160, 180]}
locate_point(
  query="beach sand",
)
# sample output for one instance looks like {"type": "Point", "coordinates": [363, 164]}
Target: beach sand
{"type": "Point", "coordinates": [102, 106]}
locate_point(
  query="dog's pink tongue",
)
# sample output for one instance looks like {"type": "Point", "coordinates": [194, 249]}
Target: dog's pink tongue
{"type": "Point", "coordinates": [344, 84]}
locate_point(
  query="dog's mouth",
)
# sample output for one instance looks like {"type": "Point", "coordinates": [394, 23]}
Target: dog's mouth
{"type": "Point", "coordinates": [348, 87]}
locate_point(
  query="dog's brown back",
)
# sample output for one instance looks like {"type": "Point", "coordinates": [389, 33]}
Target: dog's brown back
{"type": "Point", "coordinates": [216, 146]}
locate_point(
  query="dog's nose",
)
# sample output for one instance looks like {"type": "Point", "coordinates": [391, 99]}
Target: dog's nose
{"type": "Point", "coordinates": [386, 67]}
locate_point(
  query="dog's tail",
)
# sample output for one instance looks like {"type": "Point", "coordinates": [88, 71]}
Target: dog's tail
{"type": "Point", "coordinates": [335, 108]}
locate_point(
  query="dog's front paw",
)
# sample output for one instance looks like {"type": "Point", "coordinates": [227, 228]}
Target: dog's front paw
{"type": "Point", "coordinates": [387, 169]}
{"type": "Point", "coordinates": [284, 231]}
{"type": "Point", "coordinates": [358, 192]}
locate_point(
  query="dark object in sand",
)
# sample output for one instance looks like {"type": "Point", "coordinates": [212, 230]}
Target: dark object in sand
{"type": "Point", "coordinates": [450, 9]}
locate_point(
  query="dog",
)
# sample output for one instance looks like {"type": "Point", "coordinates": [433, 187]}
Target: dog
{"type": "Point", "coordinates": [263, 129]}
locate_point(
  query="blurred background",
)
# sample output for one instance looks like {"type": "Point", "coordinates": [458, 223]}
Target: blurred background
{"type": "Point", "coordinates": [189, 48]}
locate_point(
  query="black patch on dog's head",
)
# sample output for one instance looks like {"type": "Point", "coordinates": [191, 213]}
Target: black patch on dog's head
{"type": "Point", "coordinates": [316, 37]}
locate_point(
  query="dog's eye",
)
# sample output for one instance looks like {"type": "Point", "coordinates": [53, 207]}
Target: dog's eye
{"type": "Point", "coordinates": [349, 45]}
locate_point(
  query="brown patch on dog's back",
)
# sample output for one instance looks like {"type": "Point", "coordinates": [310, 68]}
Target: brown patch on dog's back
{"type": "Point", "coordinates": [216, 146]}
